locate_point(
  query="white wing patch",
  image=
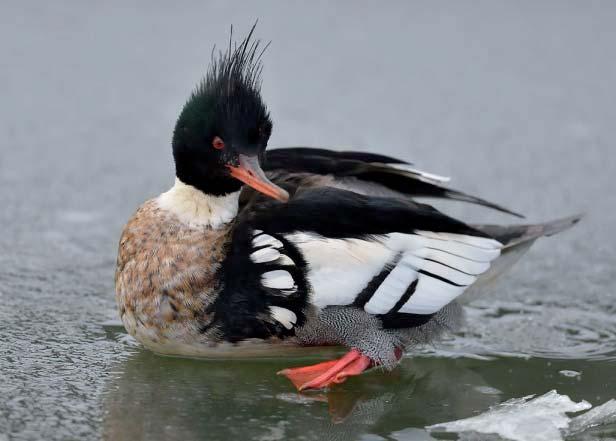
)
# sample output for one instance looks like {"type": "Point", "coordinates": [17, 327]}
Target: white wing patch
{"type": "Point", "coordinates": [284, 316]}
{"type": "Point", "coordinates": [265, 239]}
{"type": "Point", "coordinates": [268, 249]}
{"type": "Point", "coordinates": [392, 288]}
{"type": "Point", "coordinates": [338, 269]}
{"type": "Point", "coordinates": [429, 268]}
{"type": "Point", "coordinates": [278, 279]}
{"type": "Point", "coordinates": [444, 265]}
{"type": "Point", "coordinates": [268, 254]}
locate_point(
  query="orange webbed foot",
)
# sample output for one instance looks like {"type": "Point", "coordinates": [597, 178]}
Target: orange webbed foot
{"type": "Point", "coordinates": [331, 372]}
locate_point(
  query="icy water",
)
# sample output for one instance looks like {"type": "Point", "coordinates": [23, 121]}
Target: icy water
{"type": "Point", "coordinates": [514, 100]}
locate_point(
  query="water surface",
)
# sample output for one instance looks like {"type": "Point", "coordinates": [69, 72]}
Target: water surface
{"type": "Point", "coordinates": [515, 101]}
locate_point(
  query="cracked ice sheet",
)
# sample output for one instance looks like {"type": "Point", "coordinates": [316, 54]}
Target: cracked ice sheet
{"type": "Point", "coordinates": [539, 419]}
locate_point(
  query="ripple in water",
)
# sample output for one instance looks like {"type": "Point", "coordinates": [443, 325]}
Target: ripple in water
{"type": "Point", "coordinates": [527, 330]}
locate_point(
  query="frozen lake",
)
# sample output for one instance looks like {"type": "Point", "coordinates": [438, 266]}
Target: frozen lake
{"type": "Point", "coordinates": [515, 101]}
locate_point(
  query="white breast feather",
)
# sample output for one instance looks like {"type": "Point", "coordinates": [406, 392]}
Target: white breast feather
{"type": "Point", "coordinates": [197, 209]}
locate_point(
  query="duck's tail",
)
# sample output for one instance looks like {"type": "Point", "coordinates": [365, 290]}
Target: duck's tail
{"type": "Point", "coordinates": [517, 239]}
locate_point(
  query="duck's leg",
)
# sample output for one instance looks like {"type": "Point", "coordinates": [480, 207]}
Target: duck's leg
{"type": "Point", "coordinates": [331, 372]}
{"type": "Point", "coordinates": [350, 327]}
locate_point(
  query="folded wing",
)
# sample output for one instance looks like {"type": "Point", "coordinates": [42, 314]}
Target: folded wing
{"type": "Point", "coordinates": [402, 262]}
{"type": "Point", "coordinates": [366, 173]}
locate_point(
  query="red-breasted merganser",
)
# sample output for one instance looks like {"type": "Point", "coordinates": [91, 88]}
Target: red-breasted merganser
{"type": "Point", "coordinates": [249, 254]}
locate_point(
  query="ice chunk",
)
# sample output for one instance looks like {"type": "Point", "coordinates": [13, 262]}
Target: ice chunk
{"type": "Point", "coordinates": [604, 414]}
{"type": "Point", "coordinates": [570, 374]}
{"type": "Point", "coordinates": [520, 419]}
{"type": "Point", "coordinates": [411, 433]}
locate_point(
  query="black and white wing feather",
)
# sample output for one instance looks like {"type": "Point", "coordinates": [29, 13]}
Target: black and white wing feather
{"type": "Point", "coordinates": [402, 262]}
{"type": "Point", "coordinates": [264, 290]}
{"type": "Point", "coordinates": [362, 172]}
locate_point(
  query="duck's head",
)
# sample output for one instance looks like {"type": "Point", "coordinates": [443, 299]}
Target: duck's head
{"type": "Point", "coordinates": [221, 134]}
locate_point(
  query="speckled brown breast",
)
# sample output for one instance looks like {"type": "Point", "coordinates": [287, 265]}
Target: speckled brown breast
{"type": "Point", "coordinates": [166, 277]}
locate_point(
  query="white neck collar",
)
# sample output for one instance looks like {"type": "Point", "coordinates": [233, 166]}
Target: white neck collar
{"type": "Point", "coordinates": [197, 209]}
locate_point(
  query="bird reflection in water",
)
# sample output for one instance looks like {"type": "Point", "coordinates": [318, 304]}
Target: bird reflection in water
{"type": "Point", "coordinates": [153, 397]}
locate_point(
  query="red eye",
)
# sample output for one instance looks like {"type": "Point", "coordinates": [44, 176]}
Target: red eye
{"type": "Point", "coordinates": [218, 143]}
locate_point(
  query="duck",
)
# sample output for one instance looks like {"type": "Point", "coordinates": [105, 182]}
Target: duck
{"type": "Point", "coordinates": [256, 253]}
